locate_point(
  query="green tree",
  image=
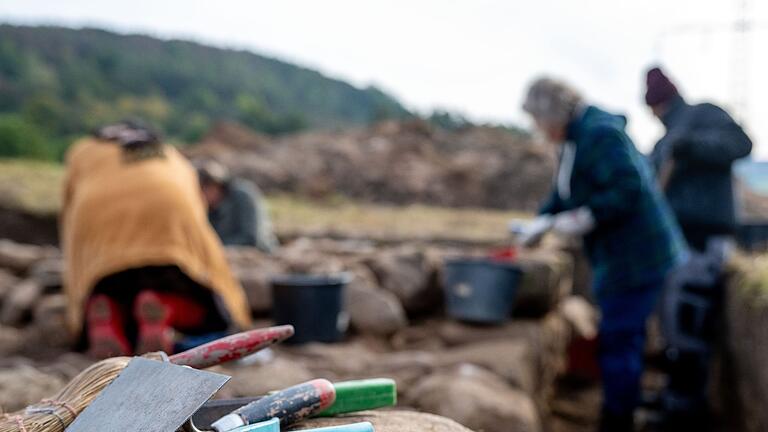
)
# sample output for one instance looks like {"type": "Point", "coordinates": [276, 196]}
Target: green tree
{"type": "Point", "coordinates": [20, 139]}
{"type": "Point", "coordinates": [66, 82]}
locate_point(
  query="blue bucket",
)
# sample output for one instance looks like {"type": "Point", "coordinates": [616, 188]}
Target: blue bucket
{"type": "Point", "coordinates": [480, 290]}
{"type": "Point", "coordinates": [313, 305]}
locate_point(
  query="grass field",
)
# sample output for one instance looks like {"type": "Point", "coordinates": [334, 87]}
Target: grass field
{"type": "Point", "coordinates": [381, 221]}
{"type": "Point", "coordinates": [31, 185]}
{"type": "Point", "coordinates": [35, 187]}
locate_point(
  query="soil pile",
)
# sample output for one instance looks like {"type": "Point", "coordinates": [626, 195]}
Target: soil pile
{"type": "Point", "coordinates": [392, 162]}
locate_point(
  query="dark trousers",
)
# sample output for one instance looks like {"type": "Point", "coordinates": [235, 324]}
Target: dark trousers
{"type": "Point", "coordinates": [622, 343]}
{"type": "Point", "coordinates": [685, 399]}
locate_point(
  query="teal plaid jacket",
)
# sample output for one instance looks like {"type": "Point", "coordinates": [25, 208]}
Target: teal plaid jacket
{"type": "Point", "coordinates": [636, 239]}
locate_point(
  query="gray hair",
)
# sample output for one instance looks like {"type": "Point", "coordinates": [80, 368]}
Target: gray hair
{"type": "Point", "coordinates": [551, 101]}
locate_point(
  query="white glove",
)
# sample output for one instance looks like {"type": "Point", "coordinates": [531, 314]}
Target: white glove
{"type": "Point", "coordinates": [529, 234]}
{"type": "Point", "coordinates": [576, 222]}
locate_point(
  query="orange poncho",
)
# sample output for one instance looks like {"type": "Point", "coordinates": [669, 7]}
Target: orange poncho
{"type": "Point", "coordinates": [121, 215]}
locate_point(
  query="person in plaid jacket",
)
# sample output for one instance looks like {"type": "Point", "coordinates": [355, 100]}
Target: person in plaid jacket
{"type": "Point", "coordinates": [605, 192]}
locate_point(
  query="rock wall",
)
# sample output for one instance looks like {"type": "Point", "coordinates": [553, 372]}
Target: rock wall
{"type": "Point", "coordinates": [490, 378]}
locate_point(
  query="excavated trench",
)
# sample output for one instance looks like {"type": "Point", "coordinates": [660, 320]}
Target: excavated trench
{"type": "Point", "coordinates": [507, 378]}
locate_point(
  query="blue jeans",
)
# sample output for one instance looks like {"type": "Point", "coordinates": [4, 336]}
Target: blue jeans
{"type": "Point", "coordinates": [622, 343]}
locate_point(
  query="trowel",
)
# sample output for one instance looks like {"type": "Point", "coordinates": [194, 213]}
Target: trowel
{"type": "Point", "coordinates": [288, 406]}
{"type": "Point", "coordinates": [149, 396]}
{"type": "Point", "coordinates": [351, 396]}
{"type": "Point", "coordinates": [273, 425]}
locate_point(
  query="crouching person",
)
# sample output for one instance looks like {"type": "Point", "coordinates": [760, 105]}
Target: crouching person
{"type": "Point", "coordinates": [236, 209]}
{"type": "Point", "coordinates": [143, 266]}
{"type": "Point", "coordinates": [605, 193]}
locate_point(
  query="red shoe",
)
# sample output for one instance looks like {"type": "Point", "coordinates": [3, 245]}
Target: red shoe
{"type": "Point", "coordinates": [106, 331]}
{"type": "Point", "coordinates": [154, 321]}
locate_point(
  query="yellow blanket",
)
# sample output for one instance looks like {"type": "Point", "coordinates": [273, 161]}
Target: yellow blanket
{"type": "Point", "coordinates": [119, 215]}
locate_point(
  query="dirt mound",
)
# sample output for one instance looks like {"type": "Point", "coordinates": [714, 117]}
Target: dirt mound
{"type": "Point", "coordinates": [227, 135]}
{"type": "Point", "coordinates": [400, 163]}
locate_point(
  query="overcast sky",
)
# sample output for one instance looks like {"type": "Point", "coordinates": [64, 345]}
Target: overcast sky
{"type": "Point", "coordinates": [472, 56]}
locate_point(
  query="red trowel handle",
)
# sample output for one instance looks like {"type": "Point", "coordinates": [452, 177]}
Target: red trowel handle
{"type": "Point", "coordinates": [232, 347]}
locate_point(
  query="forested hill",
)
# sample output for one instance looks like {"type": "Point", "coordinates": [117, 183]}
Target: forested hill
{"type": "Point", "coordinates": [56, 83]}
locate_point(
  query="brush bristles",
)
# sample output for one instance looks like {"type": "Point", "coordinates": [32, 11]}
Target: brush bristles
{"type": "Point", "coordinates": [56, 414]}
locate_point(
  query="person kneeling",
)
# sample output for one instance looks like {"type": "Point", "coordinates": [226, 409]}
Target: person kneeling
{"type": "Point", "coordinates": [143, 266]}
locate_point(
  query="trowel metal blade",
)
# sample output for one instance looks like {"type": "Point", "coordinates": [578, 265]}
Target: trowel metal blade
{"type": "Point", "coordinates": [213, 410]}
{"type": "Point", "coordinates": [149, 396]}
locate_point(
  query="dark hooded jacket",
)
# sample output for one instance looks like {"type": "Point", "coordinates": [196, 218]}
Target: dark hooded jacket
{"type": "Point", "coordinates": [636, 240]}
{"type": "Point", "coordinates": [702, 142]}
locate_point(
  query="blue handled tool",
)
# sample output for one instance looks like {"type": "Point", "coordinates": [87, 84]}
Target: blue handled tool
{"type": "Point", "coordinates": [272, 425]}
{"type": "Point", "coordinates": [354, 427]}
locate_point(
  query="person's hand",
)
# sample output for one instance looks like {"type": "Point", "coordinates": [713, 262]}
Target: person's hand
{"type": "Point", "coordinates": [530, 234]}
{"type": "Point", "coordinates": [576, 222]}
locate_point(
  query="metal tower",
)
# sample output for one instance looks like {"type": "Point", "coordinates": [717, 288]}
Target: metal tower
{"type": "Point", "coordinates": [740, 63]}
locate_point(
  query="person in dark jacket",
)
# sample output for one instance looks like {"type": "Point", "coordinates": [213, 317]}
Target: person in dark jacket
{"type": "Point", "coordinates": [236, 209]}
{"type": "Point", "coordinates": [605, 192]}
{"type": "Point", "coordinates": [693, 162]}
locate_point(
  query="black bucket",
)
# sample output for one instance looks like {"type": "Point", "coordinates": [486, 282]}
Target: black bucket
{"type": "Point", "coordinates": [480, 290]}
{"type": "Point", "coordinates": [313, 305]}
